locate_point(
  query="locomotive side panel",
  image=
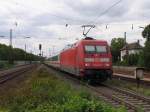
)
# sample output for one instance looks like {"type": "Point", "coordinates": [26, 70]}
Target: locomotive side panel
{"type": "Point", "coordinates": [79, 60]}
{"type": "Point", "coordinates": [68, 60]}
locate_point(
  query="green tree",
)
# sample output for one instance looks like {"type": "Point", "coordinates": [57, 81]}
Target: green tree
{"type": "Point", "coordinates": [18, 54]}
{"type": "Point", "coordinates": [116, 45]}
{"type": "Point", "coordinates": [140, 60]}
{"type": "Point", "coordinates": [146, 34]}
{"type": "Point", "coordinates": [4, 52]}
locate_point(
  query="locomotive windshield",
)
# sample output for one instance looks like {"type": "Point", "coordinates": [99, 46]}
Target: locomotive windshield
{"type": "Point", "coordinates": [89, 49]}
{"type": "Point", "coordinates": [101, 49]}
{"type": "Point", "coordinates": [95, 49]}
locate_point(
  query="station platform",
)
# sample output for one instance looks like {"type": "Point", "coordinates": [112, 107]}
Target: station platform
{"type": "Point", "coordinates": [131, 78]}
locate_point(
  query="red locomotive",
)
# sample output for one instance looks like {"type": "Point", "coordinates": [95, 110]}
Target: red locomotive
{"type": "Point", "coordinates": [88, 59]}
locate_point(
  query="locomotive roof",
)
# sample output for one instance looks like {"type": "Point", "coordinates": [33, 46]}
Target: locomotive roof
{"type": "Point", "coordinates": [84, 41]}
{"type": "Point", "coordinates": [93, 41]}
{"type": "Point", "coordinates": [103, 41]}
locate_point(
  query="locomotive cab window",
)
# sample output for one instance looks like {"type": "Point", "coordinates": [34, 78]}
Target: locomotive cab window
{"type": "Point", "coordinates": [95, 49]}
{"type": "Point", "coordinates": [89, 49]}
{"type": "Point", "coordinates": [101, 49]}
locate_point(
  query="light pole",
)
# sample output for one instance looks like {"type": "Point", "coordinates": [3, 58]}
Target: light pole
{"type": "Point", "coordinates": [25, 42]}
{"type": "Point", "coordinates": [10, 39]}
{"type": "Point", "coordinates": [49, 52]}
{"type": "Point", "coordinates": [25, 48]}
{"type": "Point", "coordinates": [11, 58]}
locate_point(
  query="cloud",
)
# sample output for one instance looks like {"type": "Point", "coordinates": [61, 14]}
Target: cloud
{"type": "Point", "coordinates": [45, 20]}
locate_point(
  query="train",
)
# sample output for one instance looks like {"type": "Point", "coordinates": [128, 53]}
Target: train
{"type": "Point", "coordinates": [87, 59]}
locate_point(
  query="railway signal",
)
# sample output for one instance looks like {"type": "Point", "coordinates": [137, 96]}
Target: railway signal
{"type": "Point", "coordinates": [66, 25]}
{"type": "Point", "coordinates": [40, 48]}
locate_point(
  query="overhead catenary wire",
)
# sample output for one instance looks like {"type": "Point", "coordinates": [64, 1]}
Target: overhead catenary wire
{"type": "Point", "coordinates": [105, 11]}
{"type": "Point", "coordinates": [100, 15]}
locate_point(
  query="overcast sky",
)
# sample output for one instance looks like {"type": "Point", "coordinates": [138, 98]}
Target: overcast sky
{"type": "Point", "coordinates": [44, 21]}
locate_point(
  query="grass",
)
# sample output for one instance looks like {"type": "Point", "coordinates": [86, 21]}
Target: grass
{"type": "Point", "coordinates": [130, 86]}
{"type": "Point", "coordinates": [45, 93]}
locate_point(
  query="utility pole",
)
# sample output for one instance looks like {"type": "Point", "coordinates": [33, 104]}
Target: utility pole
{"type": "Point", "coordinates": [125, 38]}
{"type": "Point", "coordinates": [10, 40]}
{"type": "Point", "coordinates": [25, 49]}
{"type": "Point", "coordinates": [25, 53]}
{"type": "Point", "coordinates": [30, 56]}
{"type": "Point", "coordinates": [42, 53]}
{"type": "Point", "coordinates": [11, 58]}
{"type": "Point", "coordinates": [49, 52]}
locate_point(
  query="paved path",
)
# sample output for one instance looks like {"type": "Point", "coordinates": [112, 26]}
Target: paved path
{"type": "Point", "coordinates": [132, 77]}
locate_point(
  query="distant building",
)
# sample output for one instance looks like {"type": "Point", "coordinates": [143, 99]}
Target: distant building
{"type": "Point", "coordinates": [131, 48]}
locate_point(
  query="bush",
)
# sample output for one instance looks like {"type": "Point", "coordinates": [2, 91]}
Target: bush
{"type": "Point", "coordinates": [141, 59]}
{"type": "Point", "coordinates": [121, 63]}
{"type": "Point", "coordinates": [132, 60]}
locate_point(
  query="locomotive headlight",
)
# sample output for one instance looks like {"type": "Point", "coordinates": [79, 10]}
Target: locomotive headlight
{"type": "Point", "coordinates": [104, 59]}
{"type": "Point", "coordinates": [87, 64]}
{"type": "Point", "coordinates": [89, 59]}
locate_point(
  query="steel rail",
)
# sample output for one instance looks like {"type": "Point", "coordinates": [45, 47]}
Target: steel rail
{"type": "Point", "coordinates": [9, 75]}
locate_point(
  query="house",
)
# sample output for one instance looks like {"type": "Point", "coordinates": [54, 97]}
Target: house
{"type": "Point", "coordinates": [132, 48]}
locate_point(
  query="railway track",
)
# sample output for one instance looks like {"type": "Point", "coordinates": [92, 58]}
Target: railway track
{"type": "Point", "coordinates": [136, 101]}
{"type": "Point", "coordinates": [116, 96]}
{"type": "Point", "coordinates": [17, 66]}
{"type": "Point", "coordinates": [7, 75]}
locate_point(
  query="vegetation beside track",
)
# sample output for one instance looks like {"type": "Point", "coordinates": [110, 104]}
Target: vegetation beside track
{"type": "Point", "coordinates": [45, 93]}
{"type": "Point", "coordinates": [5, 65]}
{"type": "Point", "coordinates": [130, 86]}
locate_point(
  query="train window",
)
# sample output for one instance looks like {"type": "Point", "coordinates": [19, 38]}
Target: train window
{"type": "Point", "coordinates": [101, 49]}
{"type": "Point", "coordinates": [89, 49]}
{"type": "Point", "coordinates": [95, 49]}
